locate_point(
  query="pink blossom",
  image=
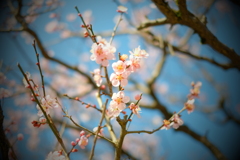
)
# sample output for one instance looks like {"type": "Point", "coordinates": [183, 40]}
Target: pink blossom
{"type": "Point", "coordinates": [119, 67]}
{"type": "Point", "coordinates": [119, 79]}
{"type": "Point", "coordinates": [56, 155]}
{"type": "Point", "coordinates": [83, 141]}
{"type": "Point", "coordinates": [42, 120]}
{"type": "Point", "coordinates": [133, 64]}
{"type": "Point", "coordinates": [138, 97]}
{"type": "Point", "coordinates": [53, 15]}
{"type": "Point", "coordinates": [122, 9]}
{"type": "Point", "coordinates": [113, 110]}
{"type": "Point", "coordinates": [101, 53]}
{"type": "Point", "coordinates": [166, 124]}
{"type": "Point", "coordinates": [189, 105]}
{"type": "Point", "coordinates": [135, 109]}
{"type": "Point", "coordinates": [138, 53]}
{"type": "Point", "coordinates": [20, 136]}
{"type": "Point", "coordinates": [97, 77]}
{"type": "Point", "coordinates": [47, 103]}
{"type": "Point", "coordinates": [120, 99]}
{"type": "Point", "coordinates": [177, 121]}
{"type": "Point", "coordinates": [52, 26]}
{"type": "Point", "coordinates": [71, 17]}
{"type": "Point", "coordinates": [65, 34]}
{"type": "Point", "coordinates": [28, 75]}
{"type": "Point", "coordinates": [195, 91]}
{"type": "Point", "coordinates": [73, 143]}
{"type": "Point", "coordinates": [82, 133]}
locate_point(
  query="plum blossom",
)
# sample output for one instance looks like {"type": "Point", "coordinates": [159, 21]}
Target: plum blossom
{"type": "Point", "coordinates": [138, 53]}
{"type": "Point", "coordinates": [56, 155]}
{"type": "Point", "coordinates": [113, 110]}
{"type": "Point", "coordinates": [47, 103]}
{"type": "Point", "coordinates": [195, 91]}
{"type": "Point", "coordinates": [71, 17]}
{"type": "Point", "coordinates": [20, 136]}
{"type": "Point", "coordinates": [102, 52]}
{"type": "Point", "coordinates": [122, 9]}
{"type": "Point", "coordinates": [83, 141]}
{"type": "Point", "coordinates": [135, 109]}
{"type": "Point", "coordinates": [120, 99]}
{"type": "Point", "coordinates": [189, 105]}
{"type": "Point", "coordinates": [97, 77]}
{"type": "Point", "coordinates": [138, 97]}
{"type": "Point", "coordinates": [133, 64]}
{"type": "Point", "coordinates": [119, 79]}
{"type": "Point", "coordinates": [119, 67]}
{"type": "Point", "coordinates": [117, 105]}
{"type": "Point", "coordinates": [177, 121]}
{"type": "Point", "coordinates": [166, 124]}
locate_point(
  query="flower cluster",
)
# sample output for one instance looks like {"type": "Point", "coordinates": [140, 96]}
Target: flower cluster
{"type": "Point", "coordinates": [102, 52]}
{"type": "Point", "coordinates": [123, 68]}
{"type": "Point", "coordinates": [194, 93]}
{"type": "Point", "coordinates": [47, 104]}
{"type": "Point", "coordinates": [118, 104]}
{"type": "Point", "coordinates": [83, 141]}
{"type": "Point", "coordinates": [175, 121]}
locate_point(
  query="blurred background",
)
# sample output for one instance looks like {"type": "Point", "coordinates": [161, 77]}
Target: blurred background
{"type": "Point", "coordinates": [67, 56]}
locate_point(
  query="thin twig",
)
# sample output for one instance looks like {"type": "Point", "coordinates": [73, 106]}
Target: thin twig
{"type": "Point", "coordinates": [99, 128]}
{"type": "Point", "coordinates": [115, 28]}
{"type": "Point", "coordinates": [39, 67]}
{"type": "Point", "coordinates": [49, 121]}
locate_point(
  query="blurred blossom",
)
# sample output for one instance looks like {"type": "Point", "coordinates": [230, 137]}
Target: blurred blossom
{"type": "Point", "coordinates": [28, 38]}
{"type": "Point", "coordinates": [53, 15]}
{"type": "Point", "coordinates": [140, 14]}
{"type": "Point", "coordinates": [4, 93]}
{"type": "Point", "coordinates": [85, 117]}
{"type": "Point", "coordinates": [65, 34]}
{"type": "Point", "coordinates": [20, 136]}
{"type": "Point", "coordinates": [52, 26]}
{"type": "Point", "coordinates": [30, 19]}
{"type": "Point", "coordinates": [163, 88]}
{"type": "Point", "coordinates": [88, 17]}
{"type": "Point", "coordinates": [71, 17]}
{"type": "Point", "coordinates": [56, 155]}
{"type": "Point", "coordinates": [122, 9]}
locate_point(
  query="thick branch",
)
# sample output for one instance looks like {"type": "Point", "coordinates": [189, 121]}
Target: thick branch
{"type": "Point", "coordinates": [4, 144]}
{"type": "Point", "coordinates": [188, 19]}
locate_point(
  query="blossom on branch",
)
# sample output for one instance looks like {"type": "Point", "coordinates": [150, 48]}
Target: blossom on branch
{"type": "Point", "coordinates": [97, 77]}
{"type": "Point", "coordinates": [135, 109]}
{"type": "Point", "coordinates": [177, 121]}
{"type": "Point", "coordinates": [47, 103]}
{"type": "Point", "coordinates": [189, 105]}
{"type": "Point", "coordinates": [119, 79]}
{"type": "Point", "coordinates": [138, 53]}
{"type": "Point", "coordinates": [56, 155]}
{"type": "Point", "coordinates": [133, 64]}
{"type": "Point", "coordinates": [119, 67]}
{"type": "Point", "coordinates": [166, 124]}
{"type": "Point", "coordinates": [83, 141]}
{"type": "Point", "coordinates": [102, 52]}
